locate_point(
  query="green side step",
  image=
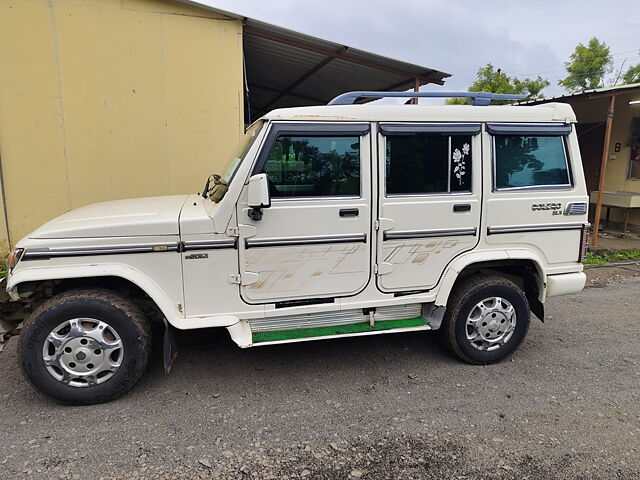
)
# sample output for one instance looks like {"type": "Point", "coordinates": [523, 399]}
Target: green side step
{"type": "Point", "coordinates": [280, 335]}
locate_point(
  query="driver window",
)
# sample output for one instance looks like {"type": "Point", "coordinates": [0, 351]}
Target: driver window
{"type": "Point", "coordinates": [314, 166]}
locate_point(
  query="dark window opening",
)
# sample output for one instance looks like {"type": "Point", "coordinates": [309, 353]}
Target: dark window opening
{"type": "Point", "coordinates": [634, 150]}
{"type": "Point", "coordinates": [428, 164]}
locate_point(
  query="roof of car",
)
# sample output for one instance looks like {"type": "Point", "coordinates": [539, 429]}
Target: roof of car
{"type": "Point", "coordinates": [549, 112]}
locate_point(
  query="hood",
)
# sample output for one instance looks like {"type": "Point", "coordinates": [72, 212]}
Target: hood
{"type": "Point", "coordinates": [120, 218]}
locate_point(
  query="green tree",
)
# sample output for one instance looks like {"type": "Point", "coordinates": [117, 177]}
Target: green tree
{"type": "Point", "coordinates": [587, 66]}
{"type": "Point", "coordinates": [632, 75]}
{"type": "Point", "coordinates": [495, 81]}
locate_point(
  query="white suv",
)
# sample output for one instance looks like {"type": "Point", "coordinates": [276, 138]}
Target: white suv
{"type": "Point", "coordinates": [333, 221]}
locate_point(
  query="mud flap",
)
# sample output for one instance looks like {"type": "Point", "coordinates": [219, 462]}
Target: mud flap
{"type": "Point", "coordinates": [169, 350]}
{"type": "Point", "coordinates": [537, 307]}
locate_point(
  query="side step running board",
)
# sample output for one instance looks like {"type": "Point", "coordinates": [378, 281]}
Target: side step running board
{"type": "Point", "coordinates": [336, 331]}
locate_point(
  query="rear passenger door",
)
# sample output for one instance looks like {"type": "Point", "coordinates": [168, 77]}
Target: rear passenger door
{"type": "Point", "coordinates": [430, 201]}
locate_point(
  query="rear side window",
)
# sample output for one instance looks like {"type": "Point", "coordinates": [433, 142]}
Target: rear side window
{"type": "Point", "coordinates": [314, 166]}
{"type": "Point", "coordinates": [424, 163]}
{"type": "Point", "coordinates": [530, 161]}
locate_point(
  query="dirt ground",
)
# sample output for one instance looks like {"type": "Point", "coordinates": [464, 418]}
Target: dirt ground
{"type": "Point", "coordinates": [612, 239]}
{"type": "Point", "coordinates": [565, 406]}
{"type": "Point", "coordinates": [601, 276]}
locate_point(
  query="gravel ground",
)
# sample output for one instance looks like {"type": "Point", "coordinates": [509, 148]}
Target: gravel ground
{"type": "Point", "coordinates": [565, 406]}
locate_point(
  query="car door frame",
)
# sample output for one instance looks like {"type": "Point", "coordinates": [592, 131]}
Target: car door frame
{"type": "Point", "coordinates": [475, 197]}
{"type": "Point", "coordinates": [249, 229]}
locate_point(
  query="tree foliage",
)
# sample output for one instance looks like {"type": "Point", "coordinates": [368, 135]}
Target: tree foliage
{"type": "Point", "coordinates": [587, 66]}
{"type": "Point", "coordinates": [494, 80]}
{"type": "Point", "coordinates": [632, 75]}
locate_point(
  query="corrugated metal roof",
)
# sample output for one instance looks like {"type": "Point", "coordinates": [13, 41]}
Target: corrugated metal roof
{"type": "Point", "coordinates": [586, 93]}
{"type": "Point", "coordinates": [288, 68]}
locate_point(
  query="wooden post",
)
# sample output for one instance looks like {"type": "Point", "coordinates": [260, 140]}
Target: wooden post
{"type": "Point", "coordinates": [603, 170]}
{"type": "Point", "coordinates": [416, 88]}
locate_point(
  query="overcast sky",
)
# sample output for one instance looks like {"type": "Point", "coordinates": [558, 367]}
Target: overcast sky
{"type": "Point", "coordinates": [524, 39]}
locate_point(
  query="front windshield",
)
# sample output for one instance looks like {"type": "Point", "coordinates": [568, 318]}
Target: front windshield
{"type": "Point", "coordinates": [216, 193]}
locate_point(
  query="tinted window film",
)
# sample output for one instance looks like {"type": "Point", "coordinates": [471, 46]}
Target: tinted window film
{"type": "Point", "coordinates": [300, 166]}
{"type": "Point", "coordinates": [428, 164]}
{"type": "Point", "coordinates": [529, 161]}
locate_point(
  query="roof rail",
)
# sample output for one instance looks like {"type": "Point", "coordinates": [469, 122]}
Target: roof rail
{"type": "Point", "coordinates": [477, 98]}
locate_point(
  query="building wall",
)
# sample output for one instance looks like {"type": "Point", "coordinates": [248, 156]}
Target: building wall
{"type": "Point", "coordinates": [109, 99]}
{"type": "Point", "coordinates": [594, 110]}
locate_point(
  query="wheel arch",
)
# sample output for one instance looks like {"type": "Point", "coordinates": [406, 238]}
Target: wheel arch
{"type": "Point", "coordinates": [24, 284]}
{"type": "Point", "coordinates": [523, 268]}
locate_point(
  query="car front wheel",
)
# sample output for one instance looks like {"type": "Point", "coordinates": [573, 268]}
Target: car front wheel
{"type": "Point", "coordinates": [85, 346]}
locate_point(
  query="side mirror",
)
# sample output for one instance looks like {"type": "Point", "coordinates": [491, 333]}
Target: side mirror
{"type": "Point", "coordinates": [258, 195]}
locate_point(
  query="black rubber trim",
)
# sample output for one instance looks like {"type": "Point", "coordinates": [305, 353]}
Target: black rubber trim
{"type": "Point", "coordinates": [308, 301]}
{"type": "Point", "coordinates": [309, 130]}
{"type": "Point", "coordinates": [410, 292]}
{"type": "Point", "coordinates": [461, 232]}
{"type": "Point", "coordinates": [534, 228]}
{"type": "Point", "coordinates": [45, 253]}
{"type": "Point", "coordinates": [293, 241]}
{"type": "Point", "coordinates": [529, 128]}
{"type": "Point", "coordinates": [397, 129]}
{"type": "Point", "coordinates": [209, 244]}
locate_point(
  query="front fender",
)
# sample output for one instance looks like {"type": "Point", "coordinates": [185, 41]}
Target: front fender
{"type": "Point", "coordinates": [166, 306]}
{"type": "Point", "coordinates": [170, 310]}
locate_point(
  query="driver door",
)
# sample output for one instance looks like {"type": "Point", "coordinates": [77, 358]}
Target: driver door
{"type": "Point", "coordinates": [313, 243]}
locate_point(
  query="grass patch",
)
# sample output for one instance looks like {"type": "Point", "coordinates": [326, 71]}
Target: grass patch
{"type": "Point", "coordinates": [3, 268]}
{"type": "Point", "coordinates": [612, 257]}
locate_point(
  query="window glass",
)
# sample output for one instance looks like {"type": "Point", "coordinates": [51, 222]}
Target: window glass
{"type": "Point", "coordinates": [314, 166]}
{"type": "Point", "coordinates": [527, 161]}
{"type": "Point", "coordinates": [425, 164]}
{"type": "Point", "coordinates": [244, 146]}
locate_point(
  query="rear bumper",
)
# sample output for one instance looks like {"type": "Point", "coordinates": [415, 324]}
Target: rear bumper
{"type": "Point", "coordinates": [565, 284]}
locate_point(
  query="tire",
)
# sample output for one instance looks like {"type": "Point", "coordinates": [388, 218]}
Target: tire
{"type": "Point", "coordinates": [486, 320]}
{"type": "Point", "coordinates": [96, 345]}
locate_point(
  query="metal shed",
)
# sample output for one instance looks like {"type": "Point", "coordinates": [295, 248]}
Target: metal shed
{"type": "Point", "coordinates": [285, 68]}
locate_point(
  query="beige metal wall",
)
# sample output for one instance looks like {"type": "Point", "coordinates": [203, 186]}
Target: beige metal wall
{"type": "Point", "coordinates": [111, 99]}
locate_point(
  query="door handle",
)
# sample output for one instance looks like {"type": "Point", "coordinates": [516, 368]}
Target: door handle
{"type": "Point", "coordinates": [462, 207]}
{"type": "Point", "coordinates": [349, 212]}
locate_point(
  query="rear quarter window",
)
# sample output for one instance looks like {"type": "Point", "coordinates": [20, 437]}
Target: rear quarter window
{"type": "Point", "coordinates": [525, 161]}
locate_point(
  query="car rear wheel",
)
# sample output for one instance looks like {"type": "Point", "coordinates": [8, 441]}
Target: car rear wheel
{"type": "Point", "coordinates": [487, 318]}
{"type": "Point", "coordinates": [85, 346]}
